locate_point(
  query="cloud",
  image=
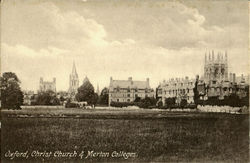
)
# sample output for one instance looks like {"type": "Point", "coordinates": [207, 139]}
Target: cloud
{"type": "Point", "coordinates": [156, 40]}
{"type": "Point", "coordinates": [23, 51]}
{"type": "Point", "coordinates": [44, 24]}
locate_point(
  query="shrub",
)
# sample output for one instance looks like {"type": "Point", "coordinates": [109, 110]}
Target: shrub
{"type": "Point", "coordinates": [70, 104]}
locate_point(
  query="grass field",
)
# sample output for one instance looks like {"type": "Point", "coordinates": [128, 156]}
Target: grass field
{"type": "Point", "coordinates": [152, 135]}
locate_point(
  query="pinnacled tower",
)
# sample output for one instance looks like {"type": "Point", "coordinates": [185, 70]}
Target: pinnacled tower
{"type": "Point", "coordinates": [73, 81]}
{"type": "Point", "coordinates": [216, 69]}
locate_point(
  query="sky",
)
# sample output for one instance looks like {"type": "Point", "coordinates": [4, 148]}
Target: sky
{"type": "Point", "coordinates": [119, 39]}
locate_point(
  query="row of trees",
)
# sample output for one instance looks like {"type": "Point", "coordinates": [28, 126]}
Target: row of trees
{"type": "Point", "coordinates": [232, 100]}
{"type": "Point", "coordinates": [12, 97]}
{"type": "Point", "coordinates": [46, 98]}
{"type": "Point", "coordinates": [148, 102]}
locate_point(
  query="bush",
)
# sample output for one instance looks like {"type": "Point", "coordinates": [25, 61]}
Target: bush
{"type": "Point", "coordinates": [69, 104]}
{"type": "Point", "coordinates": [170, 101]}
{"type": "Point", "coordinates": [123, 104]}
{"type": "Point", "coordinates": [159, 104]}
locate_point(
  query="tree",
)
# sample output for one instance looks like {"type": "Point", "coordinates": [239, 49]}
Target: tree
{"type": "Point", "coordinates": [104, 97]}
{"type": "Point", "coordinates": [11, 94]}
{"type": "Point", "coordinates": [86, 93]}
{"type": "Point", "coordinates": [195, 89]}
{"type": "Point", "coordinates": [147, 102]}
{"type": "Point", "coordinates": [137, 99]}
{"type": "Point", "coordinates": [47, 98]}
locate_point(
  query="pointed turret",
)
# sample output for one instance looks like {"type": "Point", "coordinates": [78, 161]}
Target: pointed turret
{"type": "Point", "coordinates": [205, 57]}
{"type": "Point", "coordinates": [212, 54]}
{"type": "Point", "coordinates": [225, 55]}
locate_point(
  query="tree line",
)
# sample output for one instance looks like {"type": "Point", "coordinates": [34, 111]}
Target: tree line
{"type": "Point", "coordinates": [12, 96]}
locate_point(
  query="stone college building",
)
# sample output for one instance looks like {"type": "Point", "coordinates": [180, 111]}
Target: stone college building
{"type": "Point", "coordinates": [129, 90]}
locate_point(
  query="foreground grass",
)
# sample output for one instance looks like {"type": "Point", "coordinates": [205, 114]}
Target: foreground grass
{"type": "Point", "coordinates": [204, 137]}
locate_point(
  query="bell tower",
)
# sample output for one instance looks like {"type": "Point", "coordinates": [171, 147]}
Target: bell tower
{"type": "Point", "coordinates": [215, 69]}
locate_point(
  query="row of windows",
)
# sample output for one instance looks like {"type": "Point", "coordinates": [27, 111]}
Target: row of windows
{"type": "Point", "coordinates": [121, 100]}
{"type": "Point", "coordinates": [178, 91]}
{"type": "Point", "coordinates": [128, 95]}
{"type": "Point", "coordinates": [180, 84]}
{"type": "Point", "coordinates": [132, 90]}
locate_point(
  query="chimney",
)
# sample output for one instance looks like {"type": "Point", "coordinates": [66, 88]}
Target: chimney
{"type": "Point", "coordinates": [242, 78]}
{"type": "Point", "coordinates": [234, 78]}
{"type": "Point", "coordinates": [54, 80]}
{"type": "Point", "coordinates": [230, 77]}
{"type": "Point", "coordinates": [130, 79]}
{"type": "Point", "coordinates": [41, 80]}
{"type": "Point", "coordinates": [111, 79]}
{"type": "Point", "coordinates": [147, 82]}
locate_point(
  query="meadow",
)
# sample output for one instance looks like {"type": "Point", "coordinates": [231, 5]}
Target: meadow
{"type": "Point", "coordinates": [156, 136]}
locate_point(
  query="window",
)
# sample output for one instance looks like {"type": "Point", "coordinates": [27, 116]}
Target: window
{"type": "Point", "coordinates": [128, 95]}
{"type": "Point", "coordinates": [117, 100]}
{"type": "Point", "coordinates": [136, 95]}
{"type": "Point", "coordinates": [128, 100]}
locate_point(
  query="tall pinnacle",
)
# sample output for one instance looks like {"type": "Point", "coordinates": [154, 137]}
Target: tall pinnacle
{"type": "Point", "coordinates": [74, 68]}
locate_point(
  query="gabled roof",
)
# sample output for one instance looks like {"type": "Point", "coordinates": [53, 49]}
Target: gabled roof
{"type": "Point", "coordinates": [130, 84]}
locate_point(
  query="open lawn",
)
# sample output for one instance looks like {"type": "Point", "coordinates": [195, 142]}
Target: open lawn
{"type": "Point", "coordinates": [147, 135]}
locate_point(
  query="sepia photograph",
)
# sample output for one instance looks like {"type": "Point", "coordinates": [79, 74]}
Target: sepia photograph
{"type": "Point", "coordinates": [124, 81]}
